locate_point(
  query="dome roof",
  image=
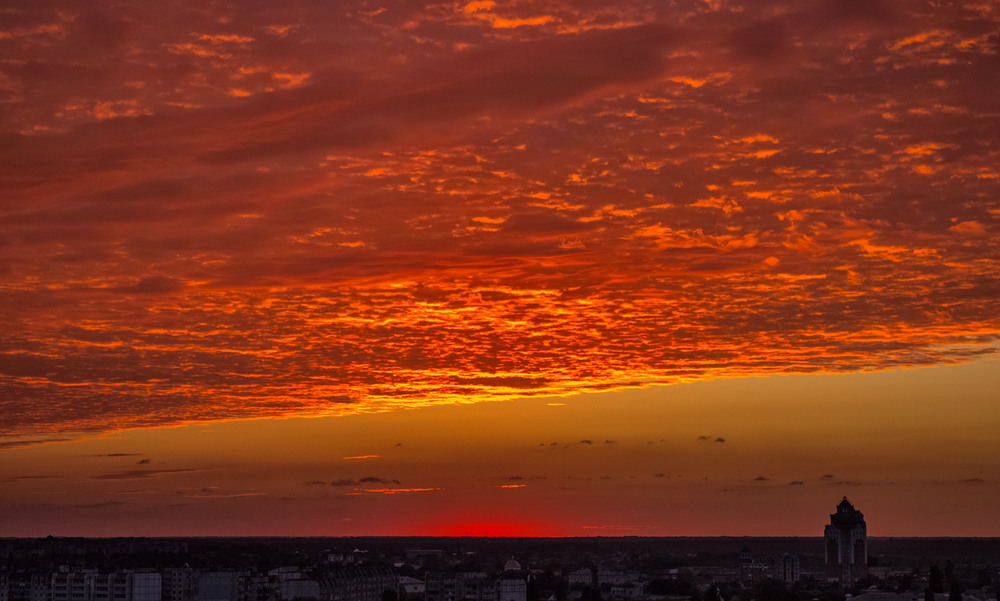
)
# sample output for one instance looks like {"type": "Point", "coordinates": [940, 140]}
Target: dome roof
{"type": "Point", "coordinates": [511, 566]}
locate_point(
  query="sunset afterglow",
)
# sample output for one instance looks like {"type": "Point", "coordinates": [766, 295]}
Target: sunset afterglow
{"type": "Point", "coordinates": [504, 268]}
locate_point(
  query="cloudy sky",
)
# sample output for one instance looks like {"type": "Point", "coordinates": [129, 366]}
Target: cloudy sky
{"type": "Point", "coordinates": [513, 267]}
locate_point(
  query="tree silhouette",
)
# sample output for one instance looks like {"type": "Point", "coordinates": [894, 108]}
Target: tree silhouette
{"type": "Point", "coordinates": [936, 581]}
{"type": "Point", "coordinates": [955, 594]}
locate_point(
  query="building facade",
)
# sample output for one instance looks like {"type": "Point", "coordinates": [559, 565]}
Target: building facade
{"type": "Point", "coordinates": [790, 568]}
{"type": "Point", "coordinates": [510, 585]}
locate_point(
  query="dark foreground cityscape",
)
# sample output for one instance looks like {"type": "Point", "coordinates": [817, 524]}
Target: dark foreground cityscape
{"type": "Point", "coordinates": [844, 564]}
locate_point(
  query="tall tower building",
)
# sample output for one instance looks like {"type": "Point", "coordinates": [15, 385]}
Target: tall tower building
{"type": "Point", "coordinates": [846, 544]}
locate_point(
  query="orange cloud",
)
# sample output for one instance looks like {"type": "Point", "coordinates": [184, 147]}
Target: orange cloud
{"type": "Point", "coordinates": [260, 219]}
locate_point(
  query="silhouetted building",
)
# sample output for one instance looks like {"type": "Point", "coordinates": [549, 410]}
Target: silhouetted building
{"type": "Point", "coordinates": [846, 544]}
{"type": "Point", "coordinates": [223, 586]}
{"type": "Point", "coordinates": [510, 585]}
{"type": "Point", "coordinates": [359, 583]}
{"type": "Point", "coordinates": [92, 585]}
{"type": "Point", "coordinates": [459, 586]}
{"type": "Point", "coordinates": [179, 584]}
{"type": "Point", "coordinates": [513, 585]}
{"type": "Point", "coordinates": [790, 568]}
{"type": "Point", "coordinates": [412, 586]}
{"type": "Point", "coordinates": [752, 570]}
{"type": "Point", "coordinates": [27, 586]}
{"type": "Point", "coordinates": [582, 577]}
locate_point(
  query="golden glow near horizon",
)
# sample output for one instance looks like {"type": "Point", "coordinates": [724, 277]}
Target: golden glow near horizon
{"type": "Point", "coordinates": [230, 213]}
{"type": "Point", "coordinates": [758, 456]}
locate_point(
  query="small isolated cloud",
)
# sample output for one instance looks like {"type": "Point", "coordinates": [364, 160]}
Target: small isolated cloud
{"type": "Point", "coordinates": [611, 527]}
{"type": "Point", "coordinates": [848, 483]}
{"type": "Point", "coordinates": [214, 492]}
{"type": "Point", "coordinates": [362, 457]}
{"type": "Point", "coordinates": [585, 441]}
{"type": "Point", "coordinates": [19, 478]}
{"type": "Point", "coordinates": [118, 455]}
{"type": "Point", "coordinates": [760, 479]}
{"type": "Point", "coordinates": [103, 505]}
{"type": "Point", "coordinates": [826, 477]}
{"type": "Point", "coordinates": [316, 483]}
{"type": "Point", "coordinates": [719, 439]}
{"type": "Point", "coordinates": [660, 475]}
{"type": "Point", "coordinates": [397, 445]}
{"type": "Point", "coordinates": [796, 483]}
{"type": "Point", "coordinates": [605, 477]}
{"type": "Point", "coordinates": [973, 228]}
{"type": "Point", "coordinates": [140, 474]}
{"type": "Point", "coordinates": [142, 462]}
{"type": "Point", "coordinates": [704, 437]}
{"type": "Point", "coordinates": [391, 491]}
{"type": "Point", "coordinates": [513, 478]}
{"type": "Point", "coordinates": [362, 481]}
{"type": "Point", "coordinates": [610, 442]}
{"type": "Point", "coordinates": [376, 480]}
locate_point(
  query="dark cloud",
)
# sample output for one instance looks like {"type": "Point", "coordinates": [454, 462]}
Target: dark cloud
{"type": "Point", "coordinates": [142, 474]}
{"type": "Point", "coordinates": [506, 80]}
{"type": "Point", "coordinates": [17, 444]}
{"type": "Point", "coordinates": [119, 455]}
{"type": "Point", "coordinates": [375, 480]}
{"type": "Point", "coordinates": [761, 479]}
{"type": "Point", "coordinates": [21, 478]}
{"type": "Point", "coordinates": [156, 284]}
{"type": "Point", "coordinates": [362, 481]}
{"type": "Point", "coordinates": [587, 442]}
{"type": "Point", "coordinates": [763, 40]}
{"type": "Point", "coordinates": [796, 483]}
{"type": "Point", "coordinates": [104, 505]}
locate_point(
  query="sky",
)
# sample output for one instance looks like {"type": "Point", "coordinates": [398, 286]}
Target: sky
{"type": "Point", "coordinates": [692, 267]}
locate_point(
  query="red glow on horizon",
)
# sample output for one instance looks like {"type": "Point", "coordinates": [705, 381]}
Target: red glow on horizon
{"type": "Point", "coordinates": [493, 529]}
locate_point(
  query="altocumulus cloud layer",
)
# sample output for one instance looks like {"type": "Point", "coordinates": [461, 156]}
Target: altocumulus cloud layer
{"type": "Point", "coordinates": [247, 209]}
